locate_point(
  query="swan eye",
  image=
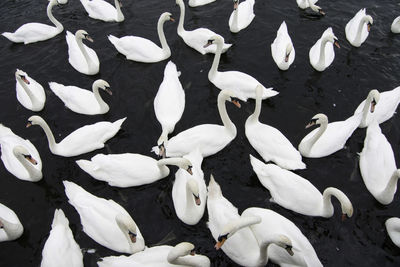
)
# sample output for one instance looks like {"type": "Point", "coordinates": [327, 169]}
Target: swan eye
{"type": "Point", "coordinates": [189, 170]}
{"type": "Point", "coordinates": [192, 252]}
{"type": "Point", "coordinates": [289, 250]}
{"type": "Point", "coordinates": [132, 236]}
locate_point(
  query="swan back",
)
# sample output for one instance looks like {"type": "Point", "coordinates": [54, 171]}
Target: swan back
{"type": "Point", "coordinates": [395, 27]}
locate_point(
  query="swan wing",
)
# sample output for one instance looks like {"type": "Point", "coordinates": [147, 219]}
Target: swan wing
{"type": "Point", "coordinates": [197, 38]}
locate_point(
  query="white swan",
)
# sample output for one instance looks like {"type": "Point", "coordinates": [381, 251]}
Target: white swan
{"type": "Point", "coordinates": [295, 193]}
{"type": "Point", "coordinates": [10, 226]}
{"type": "Point", "coordinates": [241, 16]}
{"type": "Point", "coordinates": [34, 32]}
{"type": "Point", "coordinates": [388, 102]}
{"type": "Point", "coordinates": [20, 156]}
{"type": "Point", "coordinates": [195, 3]}
{"type": "Point", "coordinates": [269, 142]}
{"type": "Point", "coordinates": [61, 248]}
{"type": "Point", "coordinates": [357, 29]}
{"type": "Point", "coordinates": [82, 58]}
{"type": "Point", "coordinates": [395, 27]}
{"type": "Point", "coordinates": [143, 50]}
{"type": "Point", "coordinates": [272, 222]}
{"type": "Point", "coordinates": [125, 170]}
{"type": "Point", "coordinates": [241, 84]}
{"type": "Point", "coordinates": [182, 254]}
{"type": "Point", "coordinates": [378, 165]}
{"type": "Point", "coordinates": [82, 140]}
{"type": "Point", "coordinates": [209, 138]}
{"type": "Point", "coordinates": [303, 4]}
{"type": "Point", "coordinates": [393, 229]}
{"type": "Point", "coordinates": [169, 102]}
{"type": "Point", "coordinates": [282, 49]}
{"type": "Point", "coordinates": [189, 192]}
{"type": "Point", "coordinates": [83, 101]}
{"type": "Point", "coordinates": [29, 92]}
{"type": "Point", "coordinates": [198, 37]}
{"type": "Point", "coordinates": [322, 53]}
{"type": "Point", "coordinates": [329, 137]}
{"type": "Point", "coordinates": [234, 234]}
{"type": "Point", "coordinates": [102, 10]}
{"type": "Point", "coordinates": [105, 221]}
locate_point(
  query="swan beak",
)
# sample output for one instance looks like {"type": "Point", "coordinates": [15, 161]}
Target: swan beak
{"type": "Point", "coordinates": [310, 124]}
{"type": "Point", "coordinates": [172, 19]}
{"type": "Point", "coordinates": [29, 124]}
{"type": "Point", "coordinates": [369, 27]}
{"type": "Point", "coordinates": [107, 89]}
{"type": "Point", "coordinates": [25, 80]}
{"type": "Point", "coordinates": [192, 252]}
{"type": "Point", "coordinates": [89, 38]}
{"type": "Point", "coordinates": [337, 44]}
{"type": "Point", "coordinates": [236, 103]}
{"type": "Point", "coordinates": [197, 200]}
{"type": "Point", "coordinates": [30, 159]}
{"type": "Point", "coordinates": [321, 12]}
{"type": "Point", "coordinates": [219, 244]}
{"type": "Point", "coordinates": [235, 5]}
{"type": "Point", "coordinates": [163, 152]}
{"type": "Point", "coordinates": [120, 3]}
{"type": "Point", "coordinates": [132, 237]}
{"type": "Point", "coordinates": [287, 57]}
{"type": "Point", "coordinates": [1, 225]}
{"type": "Point", "coordinates": [289, 250]}
{"type": "Point", "coordinates": [189, 170]}
{"type": "Point", "coordinates": [373, 104]}
{"type": "Point", "coordinates": [209, 42]}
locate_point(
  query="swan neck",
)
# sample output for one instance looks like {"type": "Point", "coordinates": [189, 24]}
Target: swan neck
{"type": "Point", "coordinates": [34, 174]}
{"type": "Point", "coordinates": [163, 137]}
{"type": "Point", "coordinates": [327, 208]}
{"type": "Point", "coordinates": [103, 105]}
{"type": "Point", "coordinates": [181, 29]}
{"type": "Point", "coordinates": [120, 16]}
{"type": "Point", "coordinates": [28, 91]}
{"type": "Point", "coordinates": [214, 68]}
{"type": "Point", "coordinates": [84, 52]}
{"type": "Point", "coordinates": [161, 36]}
{"type": "Point", "coordinates": [185, 261]}
{"type": "Point", "coordinates": [56, 23]}
{"type": "Point", "coordinates": [228, 124]}
{"type": "Point", "coordinates": [190, 205]}
{"type": "Point", "coordinates": [390, 188]}
{"type": "Point", "coordinates": [13, 230]}
{"type": "Point", "coordinates": [235, 21]}
{"type": "Point", "coordinates": [366, 110]}
{"type": "Point", "coordinates": [360, 28]}
{"type": "Point", "coordinates": [257, 110]}
{"type": "Point", "coordinates": [49, 135]}
{"type": "Point", "coordinates": [316, 136]}
{"type": "Point", "coordinates": [322, 51]}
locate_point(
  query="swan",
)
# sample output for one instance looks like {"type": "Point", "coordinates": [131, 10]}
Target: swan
{"type": "Point", "coordinates": [329, 137]}
{"type": "Point", "coordinates": [393, 229]}
{"type": "Point", "coordinates": [61, 248]}
{"type": "Point", "coordinates": [196, 3]}
{"type": "Point", "coordinates": [81, 57]}
{"type": "Point", "coordinates": [189, 192]}
{"type": "Point", "coordinates": [209, 138]}
{"type": "Point", "coordinates": [34, 32]}
{"type": "Point", "coordinates": [169, 103]}
{"type": "Point", "coordinates": [357, 29]}
{"type": "Point", "coordinates": [102, 10]}
{"type": "Point", "coordinates": [378, 165]}
{"type": "Point", "coordinates": [295, 193]}
{"type": "Point", "coordinates": [395, 27]}
{"type": "Point", "coordinates": [238, 82]}
{"type": "Point", "coordinates": [303, 4]}
{"type": "Point", "coordinates": [82, 140]}
{"type": "Point", "coordinates": [182, 254]}
{"type": "Point", "coordinates": [143, 50]}
{"type": "Point", "coordinates": [20, 156]}
{"type": "Point", "coordinates": [388, 102]}
{"type": "Point", "coordinates": [30, 93]}
{"type": "Point", "coordinates": [128, 169]}
{"type": "Point", "coordinates": [272, 222]}
{"type": "Point", "coordinates": [83, 101]}
{"type": "Point", "coordinates": [322, 53]}
{"type": "Point", "coordinates": [10, 226]}
{"type": "Point", "coordinates": [282, 49]}
{"type": "Point", "coordinates": [198, 37]}
{"type": "Point", "coordinates": [234, 233]}
{"type": "Point", "coordinates": [269, 142]}
{"type": "Point", "coordinates": [241, 16]}
{"type": "Point", "coordinates": [105, 221]}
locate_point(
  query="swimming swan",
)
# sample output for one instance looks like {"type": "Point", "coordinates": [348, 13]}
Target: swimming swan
{"type": "Point", "coordinates": [29, 92]}
{"type": "Point", "coordinates": [105, 221]}
{"type": "Point", "coordinates": [303, 4]}
{"type": "Point", "coordinates": [10, 226]}
{"type": "Point", "coordinates": [357, 29]}
{"type": "Point", "coordinates": [282, 49]}
{"type": "Point", "coordinates": [269, 142]}
{"type": "Point", "coordinates": [295, 193]}
{"type": "Point", "coordinates": [81, 57]}
{"type": "Point", "coordinates": [322, 53]}
{"type": "Point", "coordinates": [83, 101]}
{"type": "Point", "coordinates": [393, 230]}
{"type": "Point", "coordinates": [395, 27]}
{"type": "Point", "coordinates": [102, 10]}
{"type": "Point", "coordinates": [61, 248]}
{"type": "Point", "coordinates": [34, 32]}
{"type": "Point", "coordinates": [241, 16]}
{"type": "Point", "coordinates": [195, 3]}
{"type": "Point", "coordinates": [82, 140]}
{"type": "Point", "coordinates": [143, 50]}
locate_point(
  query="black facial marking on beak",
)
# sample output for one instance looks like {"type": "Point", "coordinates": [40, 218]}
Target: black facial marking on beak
{"type": "Point", "coordinates": [209, 42]}
{"type": "Point", "coordinates": [311, 123]}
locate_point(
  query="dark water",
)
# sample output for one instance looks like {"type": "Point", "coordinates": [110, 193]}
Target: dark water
{"type": "Point", "coordinates": [359, 241]}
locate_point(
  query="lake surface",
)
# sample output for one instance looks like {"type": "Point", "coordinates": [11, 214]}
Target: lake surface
{"type": "Point", "coordinates": [359, 241]}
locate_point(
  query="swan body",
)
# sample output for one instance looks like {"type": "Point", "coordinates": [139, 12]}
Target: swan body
{"type": "Point", "coordinates": [169, 102]}
{"type": "Point", "coordinates": [395, 27]}
{"type": "Point", "coordinates": [82, 140]}
{"type": "Point", "coordinates": [105, 221]}
{"type": "Point", "coordinates": [238, 82]}
{"type": "Point", "coordinates": [20, 156]}
{"type": "Point", "coordinates": [125, 170]}
{"type": "Point", "coordinates": [30, 93]}
{"type": "Point", "coordinates": [208, 138]}
{"type": "Point", "coordinates": [102, 10]}
{"type": "Point", "coordinates": [198, 37]}
{"type": "Point", "coordinates": [357, 29]}
{"type": "Point", "coordinates": [322, 53]}
{"type": "Point", "coordinates": [269, 142]}
{"type": "Point", "coordinates": [195, 3]}
{"type": "Point", "coordinates": [282, 49]}
{"type": "Point", "coordinates": [80, 100]}
{"type": "Point", "coordinates": [34, 32]}
{"type": "Point", "coordinates": [10, 226]}
{"type": "Point", "coordinates": [143, 50]}
{"type": "Point", "coordinates": [61, 248]}
{"type": "Point", "coordinates": [241, 16]}
{"type": "Point", "coordinates": [189, 192]}
{"type": "Point", "coordinates": [159, 256]}
{"type": "Point", "coordinates": [378, 165]}
{"type": "Point", "coordinates": [393, 229]}
{"type": "Point", "coordinates": [329, 137]}
{"type": "Point", "coordinates": [272, 222]}
{"type": "Point", "coordinates": [295, 193]}
{"type": "Point", "coordinates": [303, 4]}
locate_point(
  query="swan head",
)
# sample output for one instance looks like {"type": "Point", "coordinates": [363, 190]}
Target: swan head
{"type": "Point", "coordinates": [284, 242]}
{"type": "Point", "coordinates": [216, 39]}
{"type": "Point", "coordinates": [127, 226]}
{"type": "Point", "coordinates": [21, 75]}
{"type": "Point", "coordinates": [34, 120]}
{"type": "Point", "coordinates": [20, 151]}
{"type": "Point", "coordinates": [318, 120]}
{"type": "Point", "coordinates": [102, 84]}
{"type": "Point", "coordinates": [330, 37]}
{"type": "Point", "coordinates": [82, 34]}
{"type": "Point", "coordinates": [235, 4]}
{"type": "Point", "coordinates": [186, 165]}
{"type": "Point", "coordinates": [228, 95]}
{"type": "Point", "coordinates": [318, 9]}
{"type": "Point", "coordinates": [166, 16]}
{"type": "Point", "coordinates": [180, 250]}
{"type": "Point", "coordinates": [289, 48]}
{"type": "Point", "coordinates": [373, 97]}
{"type": "Point", "coordinates": [369, 21]}
{"type": "Point", "coordinates": [194, 188]}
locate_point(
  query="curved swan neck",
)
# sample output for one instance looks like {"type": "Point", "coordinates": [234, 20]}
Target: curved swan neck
{"type": "Point", "coordinates": [257, 110]}
{"type": "Point", "coordinates": [120, 16]}
{"type": "Point", "coordinates": [163, 137]}
{"type": "Point", "coordinates": [387, 194]}
{"type": "Point", "coordinates": [79, 42]}
{"type": "Point", "coordinates": [49, 135]}
{"type": "Point", "coordinates": [34, 173]}
{"type": "Point", "coordinates": [161, 35]}
{"type": "Point", "coordinates": [228, 124]}
{"type": "Point", "coordinates": [366, 110]}
{"type": "Point", "coordinates": [181, 29]}
{"type": "Point", "coordinates": [322, 51]}
{"type": "Point", "coordinates": [316, 136]}
{"type": "Point", "coordinates": [360, 28]}
{"type": "Point", "coordinates": [56, 23]}
{"type": "Point", "coordinates": [28, 91]}
{"type": "Point", "coordinates": [327, 207]}
{"type": "Point", "coordinates": [13, 230]}
{"type": "Point", "coordinates": [235, 20]}
{"type": "Point", "coordinates": [214, 68]}
{"type": "Point", "coordinates": [190, 202]}
{"type": "Point", "coordinates": [103, 105]}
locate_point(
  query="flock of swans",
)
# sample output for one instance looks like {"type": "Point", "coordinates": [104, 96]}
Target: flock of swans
{"type": "Point", "coordinates": [249, 239]}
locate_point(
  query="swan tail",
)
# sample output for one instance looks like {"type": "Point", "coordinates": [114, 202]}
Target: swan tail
{"type": "Point", "coordinates": [294, 165]}
{"type": "Point", "coordinates": [56, 88]}
{"type": "Point", "coordinates": [72, 190]}
{"type": "Point", "coordinates": [87, 165]}
{"type": "Point", "coordinates": [114, 40]}
{"type": "Point", "coordinates": [256, 163]}
{"type": "Point", "coordinates": [156, 150]}
{"type": "Point", "coordinates": [59, 218]}
{"type": "Point", "coordinates": [119, 122]}
{"type": "Point", "coordinates": [10, 36]}
{"type": "Point", "coordinates": [269, 92]}
{"type": "Point", "coordinates": [4, 130]}
{"type": "Point", "coordinates": [214, 190]}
